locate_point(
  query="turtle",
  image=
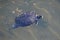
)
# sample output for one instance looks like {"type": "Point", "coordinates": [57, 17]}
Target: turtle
{"type": "Point", "coordinates": [26, 19]}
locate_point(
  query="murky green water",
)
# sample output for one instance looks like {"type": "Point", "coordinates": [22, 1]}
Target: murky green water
{"type": "Point", "coordinates": [47, 29]}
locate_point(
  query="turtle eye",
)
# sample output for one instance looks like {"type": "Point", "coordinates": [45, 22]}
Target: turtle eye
{"type": "Point", "coordinates": [39, 17]}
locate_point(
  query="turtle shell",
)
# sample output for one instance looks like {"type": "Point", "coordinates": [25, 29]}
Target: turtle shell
{"type": "Point", "coordinates": [25, 19]}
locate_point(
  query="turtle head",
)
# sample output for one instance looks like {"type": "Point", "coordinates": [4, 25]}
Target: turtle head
{"type": "Point", "coordinates": [39, 17]}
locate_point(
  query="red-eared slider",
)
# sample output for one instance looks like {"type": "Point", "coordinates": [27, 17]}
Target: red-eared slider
{"type": "Point", "coordinates": [26, 19]}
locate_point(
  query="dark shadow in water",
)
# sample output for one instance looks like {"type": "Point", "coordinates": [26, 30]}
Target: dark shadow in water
{"type": "Point", "coordinates": [1, 34]}
{"type": "Point", "coordinates": [3, 1]}
{"type": "Point", "coordinates": [58, 1]}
